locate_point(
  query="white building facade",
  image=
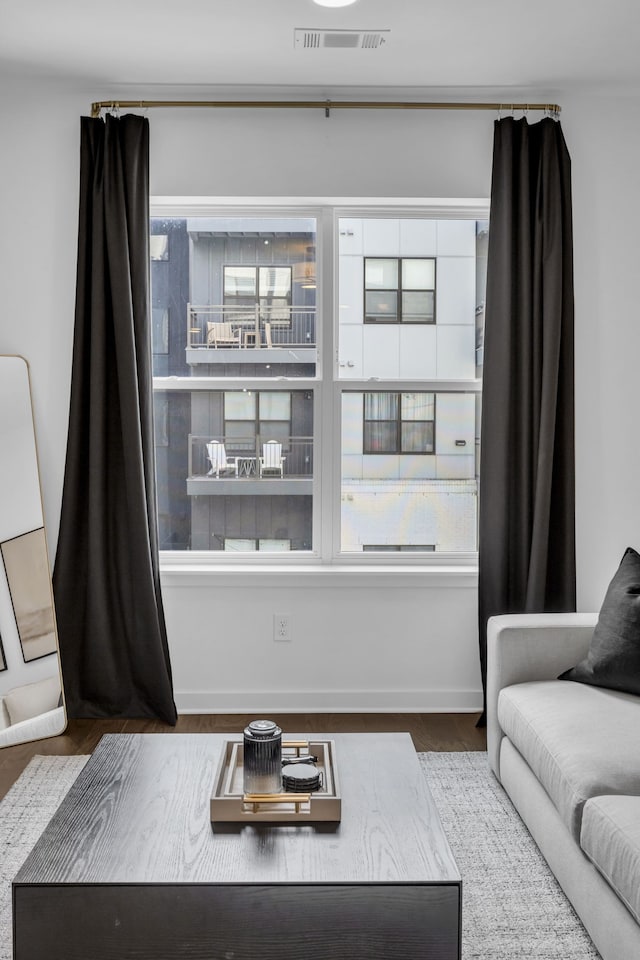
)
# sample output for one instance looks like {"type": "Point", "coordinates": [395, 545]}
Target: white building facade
{"type": "Point", "coordinates": [410, 309]}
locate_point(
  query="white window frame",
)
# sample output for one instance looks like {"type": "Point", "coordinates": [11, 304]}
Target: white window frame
{"type": "Point", "coordinates": [327, 388]}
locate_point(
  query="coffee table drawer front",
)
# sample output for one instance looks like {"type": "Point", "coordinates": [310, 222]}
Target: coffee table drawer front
{"type": "Point", "coordinates": [237, 922]}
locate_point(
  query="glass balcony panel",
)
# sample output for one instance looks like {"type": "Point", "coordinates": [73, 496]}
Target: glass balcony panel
{"type": "Point", "coordinates": [274, 546]}
{"type": "Point", "coordinates": [238, 545]}
{"type": "Point", "coordinates": [272, 430]}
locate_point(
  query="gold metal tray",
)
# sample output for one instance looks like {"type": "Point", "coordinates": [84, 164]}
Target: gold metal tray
{"type": "Point", "coordinates": [229, 804]}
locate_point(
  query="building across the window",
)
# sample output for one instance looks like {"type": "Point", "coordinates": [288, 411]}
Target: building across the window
{"type": "Point", "coordinates": [399, 423]}
{"type": "Point", "coordinates": [237, 377]}
{"type": "Point", "coordinates": [399, 290]}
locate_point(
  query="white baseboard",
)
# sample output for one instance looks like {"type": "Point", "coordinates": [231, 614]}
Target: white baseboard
{"type": "Point", "coordinates": [329, 701]}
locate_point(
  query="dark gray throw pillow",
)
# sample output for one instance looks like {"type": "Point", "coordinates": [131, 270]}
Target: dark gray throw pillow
{"type": "Point", "coordinates": [613, 659]}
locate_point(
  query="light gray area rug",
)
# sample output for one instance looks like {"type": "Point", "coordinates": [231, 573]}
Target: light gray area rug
{"type": "Point", "coordinates": [512, 906]}
{"type": "Point", "coordinates": [24, 813]}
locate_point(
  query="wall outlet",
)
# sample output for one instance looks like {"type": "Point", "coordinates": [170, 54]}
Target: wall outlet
{"type": "Point", "coordinates": [281, 626]}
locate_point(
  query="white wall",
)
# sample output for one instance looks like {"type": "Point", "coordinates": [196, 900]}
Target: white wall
{"type": "Point", "coordinates": [603, 136]}
{"type": "Point", "coordinates": [368, 643]}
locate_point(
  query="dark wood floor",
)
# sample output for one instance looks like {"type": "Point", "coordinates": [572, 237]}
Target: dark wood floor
{"type": "Point", "coordinates": [430, 731]}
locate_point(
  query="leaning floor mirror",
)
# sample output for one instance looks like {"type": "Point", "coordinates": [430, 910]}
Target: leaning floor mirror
{"type": "Point", "coordinates": [31, 692]}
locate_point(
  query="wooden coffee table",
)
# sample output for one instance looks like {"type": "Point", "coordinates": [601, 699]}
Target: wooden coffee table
{"type": "Point", "coordinates": [131, 867]}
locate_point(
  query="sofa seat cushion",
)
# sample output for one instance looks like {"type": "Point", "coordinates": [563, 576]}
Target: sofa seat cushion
{"type": "Point", "coordinates": [580, 741]}
{"type": "Point", "coordinates": [610, 837]}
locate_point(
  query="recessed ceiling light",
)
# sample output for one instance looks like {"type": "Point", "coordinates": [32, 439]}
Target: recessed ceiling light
{"type": "Point", "coordinates": [334, 3]}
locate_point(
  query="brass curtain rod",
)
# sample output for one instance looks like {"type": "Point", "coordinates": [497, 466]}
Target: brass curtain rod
{"type": "Point", "coordinates": [326, 105]}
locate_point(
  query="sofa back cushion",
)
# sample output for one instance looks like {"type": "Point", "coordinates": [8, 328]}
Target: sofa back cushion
{"type": "Point", "coordinates": [613, 659]}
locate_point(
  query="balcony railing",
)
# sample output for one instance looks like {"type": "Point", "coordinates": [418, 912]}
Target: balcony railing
{"type": "Point", "coordinates": [215, 326]}
{"type": "Point", "coordinates": [245, 453]}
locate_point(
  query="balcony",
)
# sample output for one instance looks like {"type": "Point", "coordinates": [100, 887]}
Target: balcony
{"type": "Point", "coordinates": [225, 333]}
{"type": "Point", "coordinates": [242, 475]}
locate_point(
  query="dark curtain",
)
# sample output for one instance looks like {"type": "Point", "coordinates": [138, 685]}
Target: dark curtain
{"type": "Point", "coordinates": [113, 643]}
{"type": "Point", "coordinates": [527, 499]}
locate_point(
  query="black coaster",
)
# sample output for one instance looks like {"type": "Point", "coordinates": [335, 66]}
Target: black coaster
{"type": "Point", "coordinates": [301, 778]}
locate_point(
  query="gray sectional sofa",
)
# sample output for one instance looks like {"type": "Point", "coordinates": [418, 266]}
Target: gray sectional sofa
{"type": "Point", "coordinates": [568, 756]}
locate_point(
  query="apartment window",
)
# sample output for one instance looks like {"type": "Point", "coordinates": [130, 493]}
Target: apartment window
{"type": "Point", "coordinates": [269, 288]}
{"type": "Point", "coordinates": [399, 290]}
{"type": "Point", "coordinates": [399, 423]}
{"type": "Point", "coordinates": [250, 415]}
{"type": "Point", "coordinates": [330, 418]}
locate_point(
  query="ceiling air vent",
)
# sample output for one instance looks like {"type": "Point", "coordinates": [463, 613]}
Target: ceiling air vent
{"type": "Point", "coordinates": [305, 39]}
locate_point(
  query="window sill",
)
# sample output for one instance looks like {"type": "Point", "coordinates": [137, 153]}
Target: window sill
{"type": "Point", "coordinates": [205, 574]}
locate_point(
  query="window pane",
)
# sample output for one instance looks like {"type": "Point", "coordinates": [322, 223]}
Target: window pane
{"type": "Point", "coordinates": [240, 281]}
{"type": "Point", "coordinates": [240, 405]}
{"type": "Point", "coordinates": [455, 279]}
{"type": "Point", "coordinates": [418, 274]}
{"type": "Point", "coordinates": [380, 406]}
{"type": "Point", "coordinates": [418, 406]}
{"type": "Point", "coordinates": [381, 274]}
{"type": "Point", "coordinates": [420, 492]}
{"type": "Point", "coordinates": [236, 271]}
{"type": "Point", "coordinates": [200, 509]}
{"type": "Point", "coordinates": [380, 437]}
{"type": "Point", "coordinates": [417, 307]}
{"type": "Point", "coordinates": [275, 281]}
{"type": "Point", "coordinates": [417, 437]}
{"type": "Point", "coordinates": [275, 406]}
{"type": "Point", "coordinates": [381, 306]}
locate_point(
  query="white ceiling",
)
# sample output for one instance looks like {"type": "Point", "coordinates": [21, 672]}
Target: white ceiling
{"type": "Point", "coordinates": [442, 44]}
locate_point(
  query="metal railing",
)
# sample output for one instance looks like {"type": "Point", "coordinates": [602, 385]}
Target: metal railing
{"type": "Point", "coordinates": [252, 328]}
{"type": "Point", "coordinates": [245, 453]}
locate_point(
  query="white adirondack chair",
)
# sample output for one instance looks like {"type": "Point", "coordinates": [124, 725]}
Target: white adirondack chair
{"type": "Point", "coordinates": [272, 460]}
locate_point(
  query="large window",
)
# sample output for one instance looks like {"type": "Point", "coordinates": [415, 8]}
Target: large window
{"type": "Point", "coordinates": [318, 410]}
